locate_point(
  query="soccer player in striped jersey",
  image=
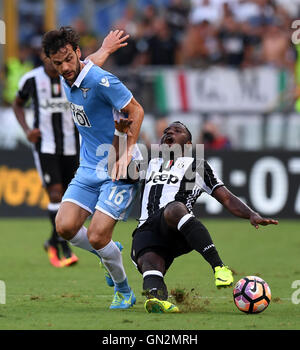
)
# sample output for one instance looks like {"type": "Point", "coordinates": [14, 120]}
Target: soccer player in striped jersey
{"type": "Point", "coordinates": [54, 137]}
{"type": "Point", "coordinates": [167, 227]}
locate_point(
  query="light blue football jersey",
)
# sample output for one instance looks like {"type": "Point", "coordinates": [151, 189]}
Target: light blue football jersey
{"type": "Point", "coordinates": [96, 98]}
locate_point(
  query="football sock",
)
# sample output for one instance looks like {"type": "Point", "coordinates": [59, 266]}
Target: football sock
{"type": "Point", "coordinates": [81, 240]}
{"type": "Point", "coordinates": [55, 239]}
{"type": "Point", "coordinates": [112, 259]}
{"type": "Point", "coordinates": [154, 285]}
{"type": "Point", "coordinates": [199, 239]}
{"type": "Point", "coordinates": [122, 286]}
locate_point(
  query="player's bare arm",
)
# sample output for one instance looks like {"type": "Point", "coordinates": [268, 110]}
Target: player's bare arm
{"type": "Point", "coordinates": [111, 43]}
{"type": "Point", "coordinates": [135, 114]}
{"type": "Point", "coordinates": [124, 146]}
{"type": "Point", "coordinates": [33, 135]}
{"type": "Point", "coordinates": [240, 209]}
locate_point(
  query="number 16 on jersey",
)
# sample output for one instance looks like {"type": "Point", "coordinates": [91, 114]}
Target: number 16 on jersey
{"type": "Point", "coordinates": [116, 197]}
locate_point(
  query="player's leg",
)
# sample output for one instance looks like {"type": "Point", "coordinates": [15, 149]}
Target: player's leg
{"type": "Point", "coordinates": [113, 204]}
{"type": "Point", "coordinates": [77, 205]}
{"type": "Point", "coordinates": [177, 216]}
{"type": "Point", "coordinates": [55, 192]}
{"type": "Point", "coordinates": [67, 166]}
{"type": "Point", "coordinates": [49, 171]}
{"type": "Point", "coordinates": [69, 224]}
{"type": "Point", "coordinates": [147, 254]}
{"type": "Point", "coordinates": [152, 266]}
{"type": "Point", "coordinates": [100, 237]}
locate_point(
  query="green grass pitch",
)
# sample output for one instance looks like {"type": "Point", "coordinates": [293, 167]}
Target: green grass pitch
{"type": "Point", "coordinates": [41, 297]}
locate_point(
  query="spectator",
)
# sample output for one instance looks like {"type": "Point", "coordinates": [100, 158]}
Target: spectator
{"type": "Point", "coordinates": [88, 41]}
{"type": "Point", "coordinates": [276, 47]}
{"type": "Point", "coordinates": [129, 54]}
{"type": "Point", "coordinates": [177, 18]}
{"type": "Point", "coordinates": [212, 138]}
{"type": "Point", "coordinates": [205, 10]}
{"type": "Point", "coordinates": [128, 21]}
{"type": "Point", "coordinates": [233, 42]}
{"type": "Point", "coordinates": [162, 46]}
{"type": "Point", "coordinates": [264, 15]}
{"type": "Point", "coordinates": [200, 45]}
{"type": "Point", "coordinates": [192, 46]}
{"type": "Point", "coordinates": [129, 24]}
{"type": "Point", "coordinates": [136, 52]}
{"type": "Point", "coordinates": [243, 10]}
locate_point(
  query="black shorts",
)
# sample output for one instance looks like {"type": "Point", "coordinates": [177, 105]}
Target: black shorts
{"type": "Point", "coordinates": [56, 169]}
{"type": "Point", "coordinates": [155, 235]}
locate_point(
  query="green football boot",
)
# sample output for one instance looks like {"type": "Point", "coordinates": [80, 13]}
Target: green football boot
{"type": "Point", "coordinates": [157, 306]}
{"type": "Point", "coordinates": [223, 277]}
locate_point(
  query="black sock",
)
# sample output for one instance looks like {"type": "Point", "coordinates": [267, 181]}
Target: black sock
{"type": "Point", "coordinates": [55, 239]}
{"type": "Point", "coordinates": [199, 239]}
{"type": "Point", "coordinates": [155, 287]}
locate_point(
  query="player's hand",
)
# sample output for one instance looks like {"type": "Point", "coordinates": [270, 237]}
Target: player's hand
{"type": "Point", "coordinates": [119, 169]}
{"type": "Point", "coordinates": [257, 220]}
{"type": "Point", "coordinates": [114, 41]}
{"type": "Point", "coordinates": [123, 125]}
{"type": "Point", "coordinates": [33, 135]}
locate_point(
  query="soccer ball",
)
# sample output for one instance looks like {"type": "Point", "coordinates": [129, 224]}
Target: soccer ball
{"type": "Point", "coordinates": [251, 294]}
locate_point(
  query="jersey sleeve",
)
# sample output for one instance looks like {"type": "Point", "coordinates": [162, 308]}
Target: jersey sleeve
{"type": "Point", "coordinates": [114, 91]}
{"type": "Point", "coordinates": [25, 87]}
{"type": "Point", "coordinates": [206, 178]}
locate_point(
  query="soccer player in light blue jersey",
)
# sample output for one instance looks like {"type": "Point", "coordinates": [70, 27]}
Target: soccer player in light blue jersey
{"type": "Point", "coordinates": [97, 99]}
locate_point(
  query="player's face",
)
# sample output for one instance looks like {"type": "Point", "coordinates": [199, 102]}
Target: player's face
{"type": "Point", "coordinates": [175, 134]}
{"type": "Point", "coordinates": [67, 62]}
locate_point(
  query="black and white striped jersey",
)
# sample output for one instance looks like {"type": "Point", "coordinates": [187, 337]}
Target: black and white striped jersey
{"type": "Point", "coordinates": [52, 113]}
{"type": "Point", "coordinates": [183, 180]}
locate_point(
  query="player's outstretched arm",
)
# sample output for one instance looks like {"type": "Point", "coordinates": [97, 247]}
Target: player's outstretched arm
{"type": "Point", "coordinates": [240, 209]}
{"type": "Point", "coordinates": [111, 43]}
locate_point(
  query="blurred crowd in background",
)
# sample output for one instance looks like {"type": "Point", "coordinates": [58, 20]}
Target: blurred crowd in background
{"type": "Point", "coordinates": [196, 33]}
{"type": "Point", "coordinates": [174, 33]}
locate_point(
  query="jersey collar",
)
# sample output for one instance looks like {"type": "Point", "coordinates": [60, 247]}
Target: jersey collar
{"type": "Point", "coordinates": [83, 73]}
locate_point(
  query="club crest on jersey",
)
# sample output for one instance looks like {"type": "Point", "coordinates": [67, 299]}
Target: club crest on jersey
{"type": "Point", "coordinates": [162, 178]}
{"type": "Point", "coordinates": [104, 81]}
{"type": "Point", "coordinates": [79, 116]}
{"type": "Point", "coordinates": [84, 91]}
{"type": "Point", "coordinates": [56, 90]}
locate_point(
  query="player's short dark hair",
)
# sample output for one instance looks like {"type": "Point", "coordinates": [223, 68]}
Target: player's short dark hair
{"type": "Point", "coordinates": [54, 40]}
{"type": "Point", "coordinates": [187, 130]}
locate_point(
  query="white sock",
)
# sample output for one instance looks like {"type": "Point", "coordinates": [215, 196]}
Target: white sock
{"type": "Point", "coordinates": [183, 220]}
{"type": "Point", "coordinates": [153, 272]}
{"type": "Point", "coordinates": [81, 240]}
{"type": "Point", "coordinates": [112, 260]}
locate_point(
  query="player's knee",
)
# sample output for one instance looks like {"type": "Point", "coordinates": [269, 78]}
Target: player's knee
{"type": "Point", "coordinates": [98, 238]}
{"type": "Point", "coordinates": [173, 212]}
{"type": "Point", "coordinates": [65, 227]}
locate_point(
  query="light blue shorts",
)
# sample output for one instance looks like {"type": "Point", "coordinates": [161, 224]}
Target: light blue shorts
{"type": "Point", "coordinates": [90, 192]}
